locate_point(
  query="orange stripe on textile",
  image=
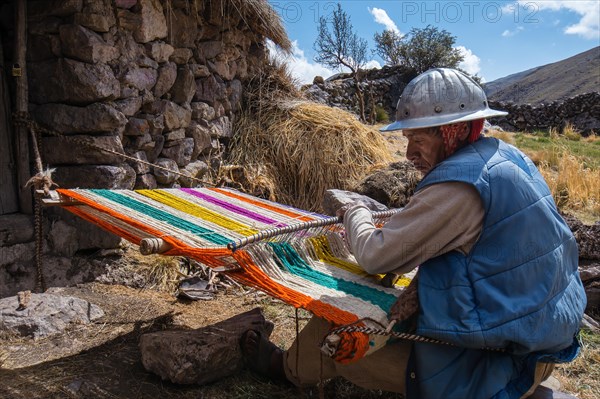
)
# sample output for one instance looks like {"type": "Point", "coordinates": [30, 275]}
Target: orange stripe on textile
{"type": "Point", "coordinates": [211, 256]}
{"type": "Point", "coordinates": [352, 347]}
{"type": "Point", "coordinates": [279, 210]}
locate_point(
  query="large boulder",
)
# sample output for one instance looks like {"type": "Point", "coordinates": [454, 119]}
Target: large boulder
{"type": "Point", "coordinates": [85, 45]}
{"type": "Point", "coordinates": [82, 150]}
{"type": "Point", "coordinates": [67, 119]}
{"type": "Point", "coordinates": [392, 186]}
{"type": "Point", "coordinates": [204, 355]}
{"type": "Point", "coordinates": [163, 174]}
{"type": "Point", "coordinates": [140, 78]}
{"type": "Point", "coordinates": [334, 199]}
{"type": "Point", "coordinates": [193, 171]}
{"type": "Point", "coordinates": [72, 82]}
{"type": "Point", "coordinates": [45, 314]}
{"type": "Point", "coordinates": [98, 176]}
{"type": "Point", "coordinates": [184, 28]}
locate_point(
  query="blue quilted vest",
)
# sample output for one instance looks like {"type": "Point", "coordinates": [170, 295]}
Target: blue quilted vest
{"type": "Point", "coordinates": [517, 289]}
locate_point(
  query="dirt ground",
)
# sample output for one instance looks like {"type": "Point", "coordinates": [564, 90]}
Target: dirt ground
{"type": "Point", "coordinates": [102, 359]}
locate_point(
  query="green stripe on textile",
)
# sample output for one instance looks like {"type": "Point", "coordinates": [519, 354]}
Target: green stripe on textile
{"type": "Point", "coordinates": [162, 216]}
{"type": "Point", "coordinates": [291, 261]}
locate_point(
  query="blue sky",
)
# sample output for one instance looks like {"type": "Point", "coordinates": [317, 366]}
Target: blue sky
{"type": "Point", "coordinates": [498, 38]}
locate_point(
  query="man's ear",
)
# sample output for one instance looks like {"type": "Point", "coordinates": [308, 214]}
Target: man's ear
{"type": "Point", "coordinates": [464, 132]}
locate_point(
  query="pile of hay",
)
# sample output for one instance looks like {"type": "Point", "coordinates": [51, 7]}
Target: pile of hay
{"type": "Point", "coordinates": [305, 148]}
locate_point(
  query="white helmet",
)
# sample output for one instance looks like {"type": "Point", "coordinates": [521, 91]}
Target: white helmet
{"type": "Point", "coordinates": [438, 97]}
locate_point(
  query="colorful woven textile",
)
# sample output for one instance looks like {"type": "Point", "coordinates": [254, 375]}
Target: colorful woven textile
{"type": "Point", "coordinates": [310, 269]}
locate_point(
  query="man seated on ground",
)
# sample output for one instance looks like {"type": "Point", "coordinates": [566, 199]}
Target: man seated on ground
{"type": "Point", "coordinates": [498, 265]}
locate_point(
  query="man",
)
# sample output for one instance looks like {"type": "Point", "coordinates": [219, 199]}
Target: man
{"type": "Point", "coordinates": [498, 265]}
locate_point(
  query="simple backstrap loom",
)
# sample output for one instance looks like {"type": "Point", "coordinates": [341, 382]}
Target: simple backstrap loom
{"type": "Point", "coordinates": [297, 256]}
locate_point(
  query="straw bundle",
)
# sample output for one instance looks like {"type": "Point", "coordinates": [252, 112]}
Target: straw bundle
{"type": "Point", "coordinates": [306, 148]}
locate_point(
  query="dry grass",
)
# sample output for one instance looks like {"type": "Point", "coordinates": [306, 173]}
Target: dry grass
{"type": "Point", "coordinates": [573, 180]}
{"type": "Point", "coordinates": [582, 376]}
{"type": "Point", "coordinates": [573, 186]}
{"type": "Point", "coordinates": [501, 135]}
{"type": "Point", "coordinates": [302, 148]}
{"type": "Point", "coordinates": [307, 148]}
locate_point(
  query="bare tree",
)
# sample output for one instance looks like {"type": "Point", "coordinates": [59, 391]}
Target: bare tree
{"type": "Point", "coordinates": [338, 46]}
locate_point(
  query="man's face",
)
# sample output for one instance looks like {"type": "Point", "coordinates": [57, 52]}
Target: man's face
{"type": "Point", "coordinates": [425, 148]}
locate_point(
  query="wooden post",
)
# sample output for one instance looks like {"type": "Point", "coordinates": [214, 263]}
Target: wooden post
{"type": "Point", "coordinates": [9, 198]}
{"type": "Point", "coordinates": [21, 105]}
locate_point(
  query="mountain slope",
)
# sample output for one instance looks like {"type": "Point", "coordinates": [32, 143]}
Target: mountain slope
{"type": "Point", "coordinates": [557, 81]}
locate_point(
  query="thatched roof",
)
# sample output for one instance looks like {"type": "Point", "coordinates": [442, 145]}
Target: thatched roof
{"type": "Point", "coordinates": [262, 19]}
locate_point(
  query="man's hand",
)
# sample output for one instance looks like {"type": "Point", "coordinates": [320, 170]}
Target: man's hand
{"type": "Point", "coordinates": [341, 212]}
{"type": "Point", "coordinates": [407, 303]}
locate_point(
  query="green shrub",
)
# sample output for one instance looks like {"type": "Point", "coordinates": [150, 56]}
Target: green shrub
{"type": "Point", "coordinates": [381, 115]}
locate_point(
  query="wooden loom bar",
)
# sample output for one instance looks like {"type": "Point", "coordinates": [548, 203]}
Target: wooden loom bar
{"type": "Point", "coordinates": [56, 199]}
{"type": "Point", "coordinates": [154, 245]}
{"type": "Point", "coordinates": [270, 233]}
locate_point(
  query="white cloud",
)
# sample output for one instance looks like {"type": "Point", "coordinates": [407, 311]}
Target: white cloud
{"type": "Point", "coordinates": [381, 17]}
{"type": "Point", "coordinates": [301, 68]}
{"type": "Point", "coordinates": [588, 26]}
{"type": "Point", "coordinates": [509, 33]}
{"type": "Point", "coordinates": [471, 62]}
{"type": "Point", "coordinates": [373, 64]}
{"type": "Point", "coordinates": [304, 69]}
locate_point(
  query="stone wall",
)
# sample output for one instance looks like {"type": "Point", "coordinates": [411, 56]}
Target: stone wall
{"type": "Point", "coordinates": [158, 80]}
{"type": "Point", "coordinates": [387, 84]}
{"type": "Point", "coordinates": [582, 111]}
{"type": "Point", "coordinates": [381, 87]}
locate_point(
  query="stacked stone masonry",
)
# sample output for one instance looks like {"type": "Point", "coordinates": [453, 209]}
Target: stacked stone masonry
{"type": "Point", "coordinates": [383, 87]}
{"type": "Point", "coordinates": [159, 80]}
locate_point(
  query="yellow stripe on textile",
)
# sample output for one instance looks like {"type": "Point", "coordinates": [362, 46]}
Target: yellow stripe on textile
{"type": "Point", "coordinates": [324, 254]}
{"type": "Point", "coordinates": [197, 211]}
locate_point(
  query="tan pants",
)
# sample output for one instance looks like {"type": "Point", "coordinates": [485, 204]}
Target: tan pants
{"type": "Point", "coordinates": [384, 369]}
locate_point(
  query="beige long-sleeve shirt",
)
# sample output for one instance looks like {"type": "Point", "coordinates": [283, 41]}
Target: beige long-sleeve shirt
{"type": "Point", "coordinates": [438, 219]}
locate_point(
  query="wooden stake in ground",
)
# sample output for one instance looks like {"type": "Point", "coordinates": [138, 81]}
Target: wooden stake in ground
{"type": "Point", "coordinates": [204, 355]}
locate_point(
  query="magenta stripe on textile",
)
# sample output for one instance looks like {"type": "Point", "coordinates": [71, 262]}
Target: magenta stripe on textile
{"type": "Point", "coordinates": [234, 208]}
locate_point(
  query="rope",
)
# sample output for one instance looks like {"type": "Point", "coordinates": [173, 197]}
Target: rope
{"type": "Point", "coordinates": [42, 180]}
{"type": "Point", "coordinates": [23, 119]}
{"type": "Point", "coordinates": [353, 328]}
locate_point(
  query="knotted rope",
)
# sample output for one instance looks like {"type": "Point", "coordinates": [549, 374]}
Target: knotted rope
{"type": "Point", "coordinates": [42, 180]}
{"type": "Point", "coordinates": [330, 343]}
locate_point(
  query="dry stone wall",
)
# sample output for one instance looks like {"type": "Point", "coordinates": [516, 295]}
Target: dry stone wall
{"type": "Point", "coordinates": [582, 111]}
{"type": "Point", "coordinates": [385, 86]}
{"type": "Point", "coordinates": [158, 80]}
{"type": "Point", "coordinates": [381, 87]}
